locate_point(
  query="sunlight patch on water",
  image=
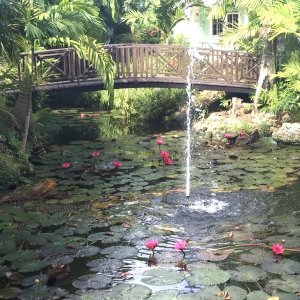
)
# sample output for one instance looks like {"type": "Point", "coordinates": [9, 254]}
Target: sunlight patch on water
{"type": "Point", "coordinates": [208, 205]}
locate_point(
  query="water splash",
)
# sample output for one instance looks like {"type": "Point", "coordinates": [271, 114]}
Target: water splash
{"type": "Point", "coordinates": [190, 75]}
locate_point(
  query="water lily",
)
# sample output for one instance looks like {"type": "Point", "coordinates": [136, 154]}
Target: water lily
{"type": "Point", "coordinates": [66, 165]}
{"type": "Point", "coordinates": [159, 141]}
{"type": "Point", "coordinates": [164, 154]}
{"type": "Point", "coordinates": [151, 244]}
{"type": "Point", "coordinates": [117, 164]}
{"type": "Point", "coordinates": [167, 161]}
{"type": "Point", "coordinates": [180, 245]}
{"type": "Point", "coordinates": [82, 115]}
{"type": "Point", "coordinates": [95, 153]}
{"type": "Point", "coordinates": [227, 136]}
{"type": "Point", "coordinates": [277, 248]}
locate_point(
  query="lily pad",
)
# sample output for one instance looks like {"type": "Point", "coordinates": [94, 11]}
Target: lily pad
{"type": "Point", "coordinates": [22, 255]}
{"type": "Point", "coordinates": [40, 292]}
{"type": "Point", "coordinates": [106, 237]}
{"type": "Point", "coordinates": [10, 293]}
{"type": "Point", "coordinates": [257, 256]}
{"type": "Point", "coordinates": [30, 266]}
{"type": "Point", "coordinates": [258, 295]}
{"type": "Point", "coordinates": [121, 291]}
{"type": "Point", "coordinates": [87, 251]}
{"type": "Point", "coordinates": [288, 283]}
{"type": "Point", "coordinates": [7, 247]}
{"type": "Point", "coordinates": [93, 281]}
{"type": "Point", "coordinates": [236, 293]}
{"type": "Point", "coordinates": [32, 280]}
{"type": "Point", "coordinates": [211, 276]}
{"type": "Point", "coordinates": [105, 265]}
{"type": "Point", "coordinates": [214, 254]}
{"type": "Point", "coordinates": [165, 294]}
{"type": "Point", "coordinates": [284, 266]}
{"type": "Point", "coordinates": [162, 276]}
{"type": "Point", "coordinates": [209, 293]}
{"type": "Point", "coordinates": [120, 252]}
{"type": "Point", "coordinates": [248, 274]}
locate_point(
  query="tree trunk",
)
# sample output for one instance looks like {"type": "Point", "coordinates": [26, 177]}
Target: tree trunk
{"type": "Point", "coordinates": [29, 103]}
{"type": "Point", "coordinates": [267, 68]}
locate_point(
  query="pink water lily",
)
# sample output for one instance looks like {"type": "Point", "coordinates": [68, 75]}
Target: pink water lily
{"type": "Point", "coordinates": [277, 248]}
{"type": "Point", "coordinates": [159, 141]}
{"type": "Point", "coordinates": [117, 164]}
{"type": "Point", "coordinates": [151, 244]}
{"type": "Point", "coordinates": [66, 165]}
{"type": "Point", "coordinates": [167, 161]}
{"type": "Point", "coordinates": [164, 154]}
{"type": "Point", "coordinates": [227, 136]}
{"type": "Point", "coordinates": [95, 153]}
{"type": "Point", "coordinates": [180, 245]}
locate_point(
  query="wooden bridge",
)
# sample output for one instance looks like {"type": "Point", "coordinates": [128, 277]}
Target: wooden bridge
{"type": "Point", "coordinates": [147, 66]}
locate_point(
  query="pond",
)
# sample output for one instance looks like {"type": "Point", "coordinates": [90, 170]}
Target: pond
{"type": "Point", "coordinates": [85, 237]}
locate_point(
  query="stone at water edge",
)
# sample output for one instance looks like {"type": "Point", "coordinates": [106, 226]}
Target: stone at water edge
{"type": "Point", "coordinates": [288, 133]}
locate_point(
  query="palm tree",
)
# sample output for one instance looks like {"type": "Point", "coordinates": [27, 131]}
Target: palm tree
{"type": "Point", "coordinates": [71, 23]}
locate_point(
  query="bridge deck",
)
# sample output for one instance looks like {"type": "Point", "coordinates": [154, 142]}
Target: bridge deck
{"type": "Point", "coordinates": [148, 66]}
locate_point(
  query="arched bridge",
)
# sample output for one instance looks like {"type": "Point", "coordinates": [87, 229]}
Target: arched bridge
{"type": "Point", "coordinates": [148, 66]}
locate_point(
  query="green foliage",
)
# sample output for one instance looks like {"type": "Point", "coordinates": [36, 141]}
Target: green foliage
{"type": "Point", "coordinates": [280, 98]}
{"type": "Point", "coordinates": [153, 108]}
{"type": "Point", "coordinates": [9, 172]}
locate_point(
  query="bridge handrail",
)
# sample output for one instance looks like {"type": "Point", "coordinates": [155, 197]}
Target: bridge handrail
{"type": "Point", "coordinates": [148, 61]}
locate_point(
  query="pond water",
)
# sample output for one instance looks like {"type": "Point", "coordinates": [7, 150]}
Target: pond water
{"type": "Point", "coordinates": [85, 238]}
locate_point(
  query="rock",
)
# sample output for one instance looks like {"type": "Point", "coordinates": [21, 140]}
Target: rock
{"type": "Point", "coordinates": [254, 137]}
{"type": "Point", "coordinates": [288, 133]}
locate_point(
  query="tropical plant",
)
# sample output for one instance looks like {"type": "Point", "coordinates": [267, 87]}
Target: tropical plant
{"type": "Point", "coordinates": [271, 21]}
{"type": "Point", "coordinates": [154, 19]}
{"type": "Point", "coordinates": [71, 23]}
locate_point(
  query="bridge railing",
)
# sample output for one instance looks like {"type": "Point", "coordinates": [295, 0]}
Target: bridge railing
{"type": "Point", "coordinates": [146, 62]}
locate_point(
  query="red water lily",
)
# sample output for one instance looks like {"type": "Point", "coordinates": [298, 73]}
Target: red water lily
{"type": "Point", "coordinates": [228, 136]}
{"type": "Point", "coordinates": [277, 248]}
{"type": "Point", "coordinates": [66, 165]}
{"type": "Point", "coordinates": [117, 164]}
{"type": "Point", "coordinates": [164, 154]}
{"type": "Point", "coordinates": [95, 153]}
{"type": "Point", "coordinates": [159, 141]}
{"type": "Point", "coordinates": [167, 161]}
{"type": "Point", "coordinates": [151, 244]}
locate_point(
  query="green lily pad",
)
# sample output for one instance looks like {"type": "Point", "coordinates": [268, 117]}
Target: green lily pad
{"type": "Point", "coordinates": [257, 256]}
{"type": "Point", "coordinates": [31, 266]}
{"type": "Point", "coordinates": [286, 296]}
{"type": "Point", "coordinates": [214, 254]}
{"type": "Point", "coordinates": [106, 237]}
{"type": "Point", "coordinates": [22, 255]}
{"type": "Point", "coordinates": [211, 276]}
{"type": "Point", "coordinates": [165, 294]}
{"type": "Point", "coordinates": [121, 291]}
{"type": "Point", "coordinates": [87, 251]}
{"type": "Point", "coordinates": [40, 292]}
{"type": "Point", "coordinates": [248, 274]}
{"type": "Point", "coordinates": [161, 276]}
{"type": "Point", "coordinates": [32, 280]}
{"type": "Point", "coordinates": [258, 295]}
{"type": "Point", "coordinates": [10, 293]}
{"type": "Point", "coordinates": [209, 293]}
{"type": "Point", "coordinates": [93, 281]}
{"type": "Point", "coordinates": [284, 266]}
{"type": "Point", "coordinates": [120, 252]}
{"type": "Point", "coordinates": [288, 283]}
{"type": "Point", "coordinates": [105, 265]}
{"type": "Point", "coordinates": [7, 247]}
{"type": "Point", "coordinates": [236, 293]}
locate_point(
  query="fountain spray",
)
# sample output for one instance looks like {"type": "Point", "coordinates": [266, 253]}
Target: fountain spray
{"type": "Point", "coordinates": [188, 118]}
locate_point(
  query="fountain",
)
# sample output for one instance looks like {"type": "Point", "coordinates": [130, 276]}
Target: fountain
{"type": "Point", "coordinates": [188, 117]}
